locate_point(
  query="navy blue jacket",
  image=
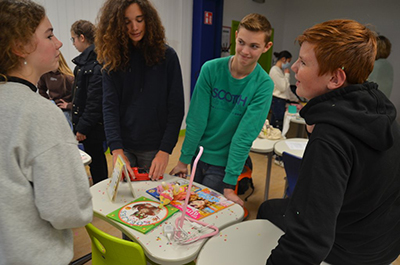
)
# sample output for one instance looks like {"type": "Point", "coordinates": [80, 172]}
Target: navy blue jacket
{"type": "Point", "coordinates": [87, 94]}
{"type": "Point", "coordinates": [143, 106]}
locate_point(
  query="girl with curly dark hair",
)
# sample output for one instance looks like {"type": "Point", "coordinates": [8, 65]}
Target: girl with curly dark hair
{"type": "Point", "coordinates": [143, 102]}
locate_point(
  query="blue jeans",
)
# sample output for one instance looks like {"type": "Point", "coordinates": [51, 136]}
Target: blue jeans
{"type": "Point", "coordinates": [210, 176]}
{"type": "Point", "coordinates": [141, 159]}
{"type": "Point", "coordinates": [67, 114]}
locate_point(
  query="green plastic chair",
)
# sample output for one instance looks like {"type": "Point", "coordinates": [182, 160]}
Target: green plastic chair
{"type": "Point", "coordinates": [110, 250]}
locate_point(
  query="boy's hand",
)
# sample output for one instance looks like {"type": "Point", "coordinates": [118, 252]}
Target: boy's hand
{"type": "Point", "coordinates": [120, 152]}
{"type": "Point", "coordinates": [180, 170]}
{"type": "Point", "coordinates": [158, 165]}
{"type": "Point", "coordinates": [231, 195]}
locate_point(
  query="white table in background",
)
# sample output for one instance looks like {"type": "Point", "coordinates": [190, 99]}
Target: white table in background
{"type": "Point", "coordinates": [294, 146]}
{"type": "Point", "coordinates": [86, 159]}
{"type": "Point", "coordinates": [248, 242]}
{"type": "Point", "coordinates": [154, 243]}
{"type": "Point", "coordinates": [291, 117]}
{"type": "Point", "coordinates": [265, 146]}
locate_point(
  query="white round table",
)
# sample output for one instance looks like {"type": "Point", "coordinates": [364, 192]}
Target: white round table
{"type": "Point", "coordinates": [154, 243]}
{"type": "Point", "coordinates": [86, 159]}
{"type": "Point", "coordinates": [248, 242]}
{"type": "Point", "coordinates": [294, 146]}
{"type": "Point", "coordinates": [291, 117]}
{"type": "Point", "coordinates": [265, 146]}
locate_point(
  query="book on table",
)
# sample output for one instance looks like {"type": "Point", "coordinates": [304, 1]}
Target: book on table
{"type": "Point", "coordinates": [142, 214]}
{"type": "Point", "coordinates": [202, 202]}
{"type": "Point", "coordinates": [113, 184]}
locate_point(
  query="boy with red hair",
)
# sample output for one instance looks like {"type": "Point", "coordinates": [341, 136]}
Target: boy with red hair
{"type": "Point", "coordinates": [345, 208]}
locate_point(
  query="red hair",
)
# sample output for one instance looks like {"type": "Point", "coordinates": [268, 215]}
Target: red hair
{"type": "Point", "coordinates": [345, 44]}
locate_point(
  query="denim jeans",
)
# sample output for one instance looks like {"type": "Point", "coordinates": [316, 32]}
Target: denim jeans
{"type": "Point", "coordinates": [67, 114]}
{"type": "Point", "coordinates": [141, 159]}
{"type": "Point", "coordinates": [210, 176]}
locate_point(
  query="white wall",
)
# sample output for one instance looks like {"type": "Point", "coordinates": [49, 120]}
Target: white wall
{"type": "Point", "coordinates": [176, 16]}
{"type": "Point", "coordinates": [383, 16]}
{"type": "Point", "coordinates": [63, 13]}
{"type": "Point", "coordinates": [273, 10]}
{"type": "Point", "coordinates": [290, 17]}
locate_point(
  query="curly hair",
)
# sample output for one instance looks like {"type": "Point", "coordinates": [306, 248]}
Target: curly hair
{"type": "Point", "coordinates": [112, 40]}
{"type": "Point", "coordinates": [85, 28]}
{"type": "Point", "coordinates": [343, 43]}
{"type": "Point", "coordinates": [19, 21]}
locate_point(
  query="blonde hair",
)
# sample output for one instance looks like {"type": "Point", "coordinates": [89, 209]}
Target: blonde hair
{"type": "Point", "coordinates": [63, 66]}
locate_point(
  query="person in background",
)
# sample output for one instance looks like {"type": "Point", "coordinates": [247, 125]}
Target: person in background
{"type": "Point", "coordinates": [282, 94]}
{"type": "Point", "coordinates": [56, 85]}
{"type": "Point", "coordinates": [44, 189]}
{"type": "Point", "coordinates": [345, 208]}
{"type": "Point", "coordinates": [87, 115]}
{"type": "Point", "coordinates": [229, 106]}
{"type": "Point", "coordinates": [383, 70]}
{"type": "Point", "coordinates": [143, 101]}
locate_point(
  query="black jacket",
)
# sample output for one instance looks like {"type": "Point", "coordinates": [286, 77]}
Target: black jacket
{"type": "Point", "coordinates": [345, 208]}
{"type": "Point", "coordinates": [87, 115]}
{"type": "Point", "coordinates": [144, 105]}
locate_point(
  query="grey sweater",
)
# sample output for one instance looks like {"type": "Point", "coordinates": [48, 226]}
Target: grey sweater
{"type": "Point", "coordinates": [44, 190]}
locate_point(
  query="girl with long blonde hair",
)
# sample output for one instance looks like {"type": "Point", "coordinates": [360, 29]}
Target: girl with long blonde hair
{"type": "Point", "coordinates": [56, 85]}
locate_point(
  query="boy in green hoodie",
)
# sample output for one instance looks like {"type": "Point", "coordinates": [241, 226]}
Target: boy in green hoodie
{"type": "Point", "coordinates": [229, 105]}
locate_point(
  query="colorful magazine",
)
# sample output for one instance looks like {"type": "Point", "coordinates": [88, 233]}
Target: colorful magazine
{"type": "Point", "coordinates": [202, 203]}
{"type": "Point", "coordinates": [182, 182]}
{"type": "Point", "coordinates": [142, 214]}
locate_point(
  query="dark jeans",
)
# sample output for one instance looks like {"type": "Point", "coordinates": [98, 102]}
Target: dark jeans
{"type": "Point", "coordinates": [274, 211]}
{"type": "Point", "coordinates": [141, 159]}
{"type": "Point", "coordinates": [278, 108]}
{"type": "Point", "coordinates": [210, 176]}
{"type": "Point", "coordinates": [98, 167]}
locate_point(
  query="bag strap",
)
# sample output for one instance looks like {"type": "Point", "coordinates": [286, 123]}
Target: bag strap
{"type": "Point", "coordinates": [252, 189]}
